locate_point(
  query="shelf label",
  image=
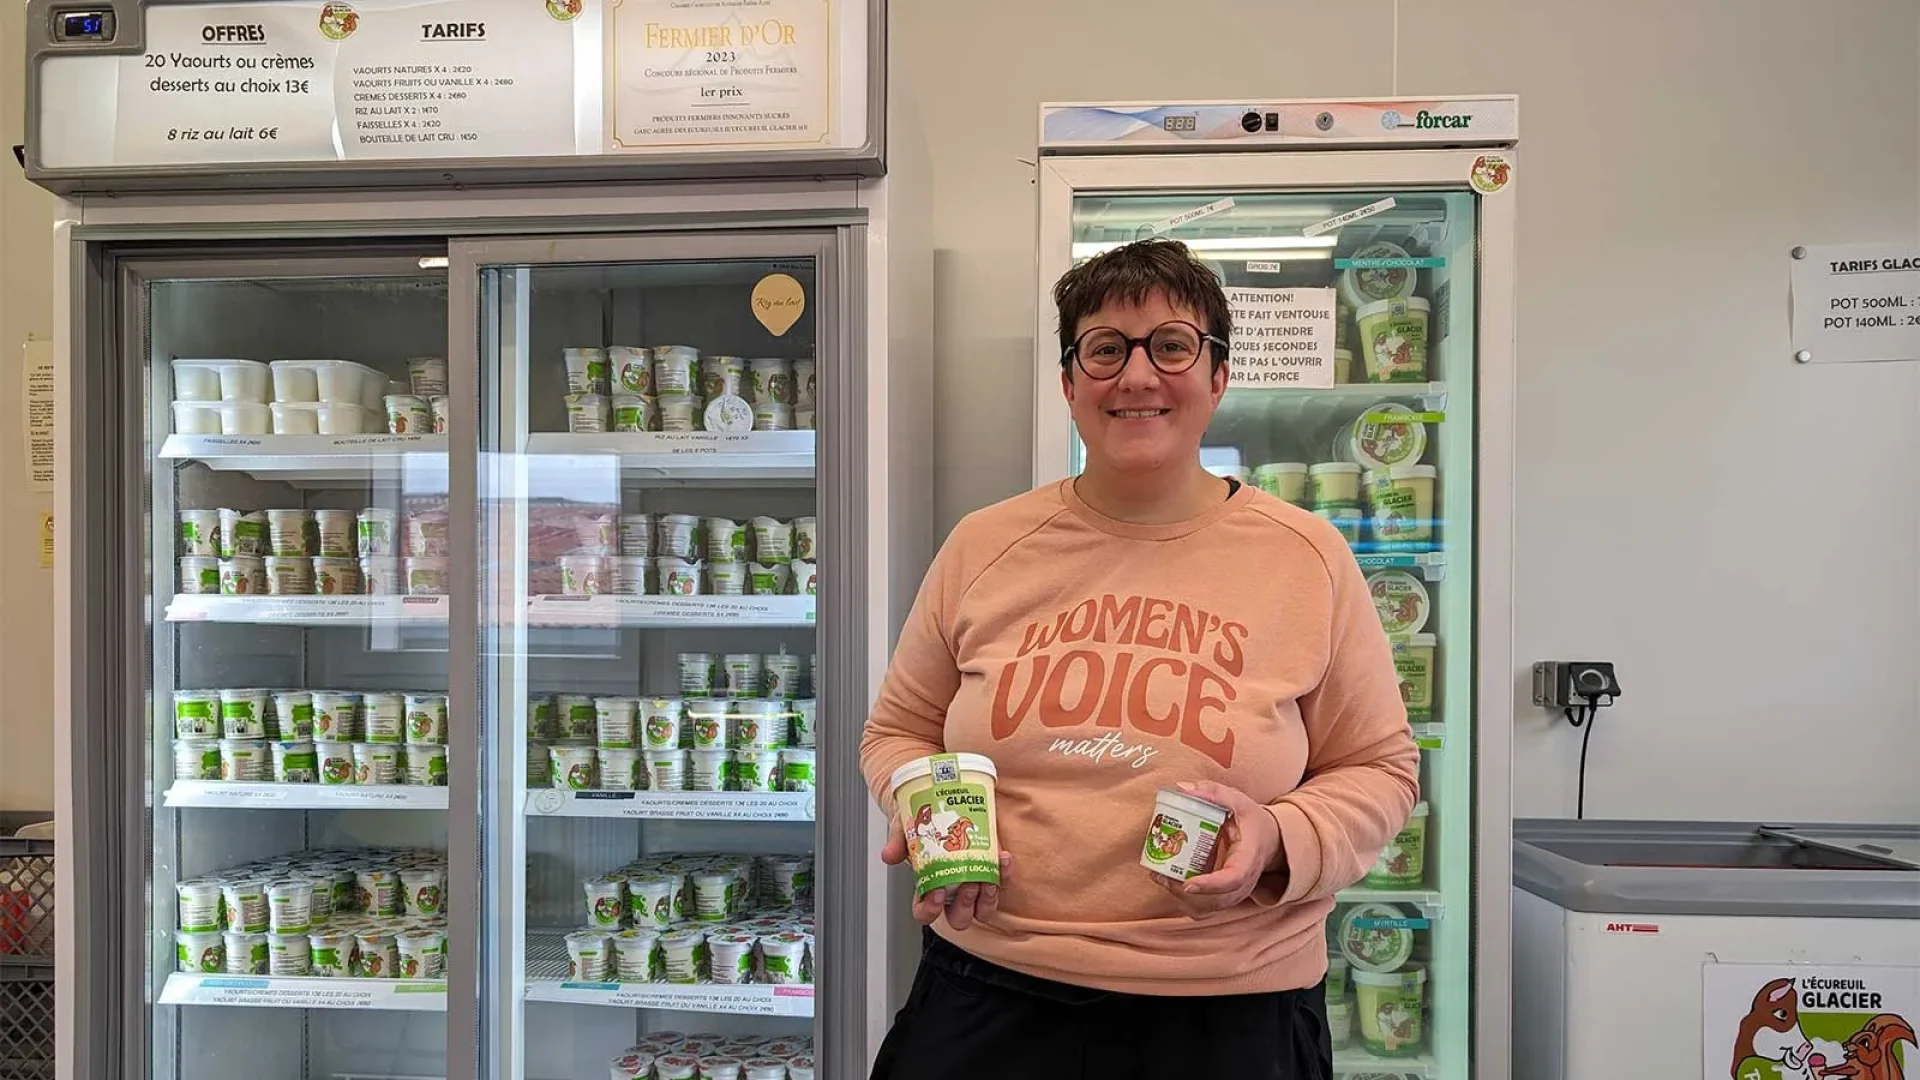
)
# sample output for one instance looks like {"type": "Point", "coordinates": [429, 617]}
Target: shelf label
{"type": "Point", "coordinates": [1166, 225]}
{"type": "Point", "coordinates": [1856, 302]}
{"type": "Point", "coordinates": [1411, 262]}
{"type": "Point", "coordinates": [742, 1000]}
{"type": "Point", "coordinates": [1392, 924]}
{"type": "Point", "coordinates": [305, 993]}
{"type": "Point", "coordinates": [1281, 337]}
{"type": "Point", "coordinates": [719, 72]}
{"type": "Point", "coordinates": [1348, 218]}
{"type": "Point", "coordinates": [1404, 418]}
{"type": "Point", "coordinates": [701, 806]}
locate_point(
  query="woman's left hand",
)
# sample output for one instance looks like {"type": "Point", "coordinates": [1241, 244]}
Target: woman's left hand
{"type": "Point", "coordinates": [1250, 848]}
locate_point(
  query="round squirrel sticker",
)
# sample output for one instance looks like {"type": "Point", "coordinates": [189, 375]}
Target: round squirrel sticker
{"type": "Point", "coordinates": [1491, 173]}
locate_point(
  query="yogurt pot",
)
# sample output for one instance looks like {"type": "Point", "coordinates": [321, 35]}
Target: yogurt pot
{"type": "Point", "coordinates": [242, 533]}
{"type": "Point", "coordinates": [579, 716]}
{"type": "Point", "coordinates": [376, 764]}
{"type": "Point", "coordinates": [196, 380]}
{"type": "Point", "coordinates": [630, 412]}
{"type": "Point", "coordinates": [423, 892]}
{"type": "Point", "coordinates": [1389, 1006]}
{"type": "Point", "coordinates": [1183, 834]}
{"type": "Point", "coordinates": [679, 413]}
{"type": "Point", "coordinates": [770, 380]}
{"type": "Point", "coordinates": [244, 760]}
{"type": "Point", "coordinates": [290, 906]}
{"type": "Point", "coordinates": [196, 759]}
{"type": "Point", "coordinates": [684, 955]}
{"type": "Point", "coordinates": [1373, 939]}
{"type": "Point", "coordinates": [588, 371]}
{"type": "Point", "coordinates": [1335, 485]}
{"type": "Point", "coordinates": [335, 577]}
{"type": "Point", "coordinates": [196, 714]}
{"type": "Point", "coordinates": [243, 575]}
{"type": "Point", "coordinates": [330, 953]}
{"type": "Point", "coordinates": [727, 578]}
{"type": "Point", "coordinates": [635, 534]}
{"type": "Point", "coordinates": [196, 418]}
{"type": "Point", "coordinates": [676, 369]}
{"type": "Point", "coordinates": [757, 771]}
{"type": "Point", "coordinates": [773, 416]}
{"type": "Point", "coordinates": [385, 713]}
{"type": "Point", "coordinates": [294, 762]}
{"type": "Point", "coordinates": [789, 880]}
{"type": "Point", "coordinates": [658, 721]}
{"type": "Point", "coordinates": [806, 538]}
{"type": "Point", "coordinates": [245, 902]}
{"type": "Point", "coordinates": [772, 540]}
{"type": "Point", "coordinates": [426, 576]}
{"type": "Point", "coordinates": [422, 953]}
{"type": "Point", "coordinates": [729, 414]}
{"type": "Point", "coordinates": [1284, 480]}
{"type": "Point", "coordinates": [630, 370]}
{"type": "Point", "coordinates": [650, 901]}
{"type": "Point", "coordinates": [712, 896]}
{"type": "Point", "coordinates": [708, 770]}
{"type": "Point", "coordinates": [426, 718]}
{"type": "Point", "coordinates": [614, 722]}
{"type": "Point", "coordinates": [759, 724]}
{"type": "Point", "coordinates": [199, 906]}
{"type": "Point", "coordinates": [796, 769]}
{"type": "Point", "coordinates": [1396, 438]}
{"type": "Point", "coordinates": [711, 730]}
{"type": "Point", "coordinates": [442, 407]}
{"type": "Point", "coordinates": [743, 674]}
{"type": "Point", "coordinates": [587, 956]}
{"type": "Point", "coordinates": [636, 955]}
{"type": "Point", "coordinates": [634, 1064]}
{"type": "Point", "coordinates": [720, 375]}
{"type": "Point", "coordinates": [764, 1069]}
{"type": "Point", "coordinates": [805, 577]}
{"type": "Point", "coordinates": [730, 959]}
{"type": "Point", "coordinates": [1401, 504]}
{"type": "Point", "coordinates": [1401, 600]}
{"type": "Point", "coordinates": [1393, 340]}
{"type": "Point", "coordinates": [806, 387]}
{"type": "Point", "coordinates": [573, 766]}
{"type": "Point", "coordinates": [589, 414]}
{"type": "Point", "coordinates": [376, 954]}
{"type": "Point", "coordinates": [1413, 661]}
{"type": "Point", "coordinates": [801, 725]}
{"type": "Point", "coordinates": [697, 673]}
{"type": "Point", "coordinates": [945, 806]}
{"type": "Point", "coordinates": [374, 532]}
{"type": "Point", "coordinates": [245, 418]}
{"type": "Point", "coordinates": [199, 576]}
{"type": "Point", "coordinates": [243, 714]}
{"type": "Point", "coordinates": [295, 710]}
{"type": "Point", "coordinates": [783, 956]}
{"type": "Point", "coordinates": [1402, 864]}
{"type": "Point", "coordinates": [606, 904]}
{"type": "Point", "coordinates": [1342, 361]}
{"type": "Point", "coordinates": [200, 533]}
{"type": "Point", "coordinates": [620, 769]}
{"type": "Point", "coordinates": [676, 576]}
{"type": "Point", "coordinates": [289, 575]}
{"type": "Point", "coordinates": [769, 580]}
{"type": "Point", "coordinates": [383, 575]}
{"type": "Point", "coordinates": [378, 892]}
{"type": "Point", "coordinates": [676, 1066]}
{"type": "Point", "coordinates": [332, 418]}
{"type": "Point", "coordinates": [585, 575]}
{"type": "Point", "coordinates": [334, 532]}
{"type": "Point", "coordinates": [336, 715]}
{"type": "Point", "coordinates": [427, 766]}
{"type": "Point", "coordinates": [780, 674]}
{"type": "Point", "coordinates": [726, 539]}
{"type": "Point", "coordinates": [676, 536]}
{"type": "Point", "coordinates": [335, 763]}
{"type": "Point", "coordinates": [1340, 1022]}
{"type": "Point", "coordinates": [803, 419]}
{"type": "Point", "coordinates": [667, 770]}
{"type": "Point", "coordinates": [427, 375]}
{"type": "Point", "coordinates": [246, 952]}
{"type": "Point", "coordinates": [427, 535]}
{"type": "Point", "coordinates": [290, 533]}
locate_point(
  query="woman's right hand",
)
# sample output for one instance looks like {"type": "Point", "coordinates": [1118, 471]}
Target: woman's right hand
{"type": "Point", "coordinates": [963, 905]}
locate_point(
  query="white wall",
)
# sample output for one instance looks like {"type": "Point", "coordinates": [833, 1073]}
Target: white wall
{"type": "Point", "coordinates": [1739, 534]}
{"type": "Point", "coordinates": [26, 590]}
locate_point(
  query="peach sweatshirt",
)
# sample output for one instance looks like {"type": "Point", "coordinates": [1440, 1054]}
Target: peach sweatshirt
{"type": "Point", "coordinates": [1097, 661]}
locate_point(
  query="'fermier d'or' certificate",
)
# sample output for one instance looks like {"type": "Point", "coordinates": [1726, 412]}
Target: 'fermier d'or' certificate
{"type": "Point", "coordinates": [695, 73]}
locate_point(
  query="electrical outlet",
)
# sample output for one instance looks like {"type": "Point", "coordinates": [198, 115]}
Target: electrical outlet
{"type": "Point", "coordinates": [1560, 684]}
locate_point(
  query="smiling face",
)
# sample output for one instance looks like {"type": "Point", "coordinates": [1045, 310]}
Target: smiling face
{"type": "Point", "coordinates": [1143, 419]}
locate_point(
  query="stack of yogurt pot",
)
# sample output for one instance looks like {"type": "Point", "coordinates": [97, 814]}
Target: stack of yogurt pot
{"type": "Point", "coordinates": [683, 555]}
{"type": "Point", "coordinates": [299, 552]}
{"type": "Point", "coordinates": [675, 388]}
{"type": "Point", "coordinates": [1376, 979]}
{"type": "Point", "coordinates": [369, 914]}
{"type": "Point", "coordinates": [739, 723]}
{"type": "Point", "coordinates": [691, 918]}
{"type": "Point", "coordinates": [329, 737]}
{"type": "Point", "coordinates": [307, 397]}
{"type": "Point", "coordinates": [670, 1055]}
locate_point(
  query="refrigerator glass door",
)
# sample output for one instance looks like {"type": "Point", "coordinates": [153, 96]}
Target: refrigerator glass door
{"type": "Point", "coordinates": [652, 500]}
{"type": "Point", "coordinates": [298, 664]}
{"type": "Point", "coordinates": [1387, 454]}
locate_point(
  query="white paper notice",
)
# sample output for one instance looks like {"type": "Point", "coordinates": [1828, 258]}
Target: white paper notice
{"type": "Point", "coordinates": [233, 83]}
{"type": "Point", "coordinates": [1856, 302]}
{"type": "Point", "coordinates": [38, 395]}
{"type": "Point", "coordinates": [458, 79]}
{"type": "Point", "coordinates": [1281, 337]}
{"type": "Point", "coordinates": [701, 73]}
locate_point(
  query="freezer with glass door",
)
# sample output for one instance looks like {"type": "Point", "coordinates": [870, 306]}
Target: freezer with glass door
{"type": "Point", "coordinates": [471, 590]}
{"type": "Point", "coordinates": [1366, 249]}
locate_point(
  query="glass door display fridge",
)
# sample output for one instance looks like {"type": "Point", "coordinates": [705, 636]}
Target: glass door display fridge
{"type": "Point", "coordinates": [1367, 253]}
{"type": "Point", "coordinates": [470, 594]}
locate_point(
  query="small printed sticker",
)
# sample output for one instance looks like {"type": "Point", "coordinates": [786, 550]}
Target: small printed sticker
{"type": "Point", "coordinates": [1491, 174]}
{"type": "Point", "coordinates": [1348, 218]}
{"type": "Point", "coordinates": [565, 10]}
{"type": "Point", "coordinates": [946, 769]}
{"type": "Point", "coordinates": [1633, 928]}
{"type": "Point", "coordinates": [1167, 225]}
{"type": "Point", "coordinates": [338, 21]}
{"type": "Point", "coordinates": [1263, 268]}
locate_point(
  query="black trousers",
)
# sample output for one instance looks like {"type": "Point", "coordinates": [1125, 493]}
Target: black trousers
{"type": "Point", "coordinates": [966, 1019]}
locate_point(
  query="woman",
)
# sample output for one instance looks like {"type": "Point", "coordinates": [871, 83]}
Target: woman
{"type": "Point", "coordinates": [1143, 625]}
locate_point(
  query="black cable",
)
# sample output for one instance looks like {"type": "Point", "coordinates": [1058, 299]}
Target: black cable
{"type": "Point", "coordinates": [1581, 716]}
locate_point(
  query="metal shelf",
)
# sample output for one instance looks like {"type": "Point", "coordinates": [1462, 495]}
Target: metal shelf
{"type": "Point", "coordinates": [305, 992]}
{"type": "Point", "coordinates": [320, 460]}
{"type": "Point", "coordinates": [672, 805]}
{"type": "Point", "coordinates": [1432, 906]}
{"type": "Point", "coordinates": [259, 796]}
{"type": "Point", "coordinates": [311, 610]}
{"type": "Point", "coordinates": [668, 459]}
{"type": "Point", "coordinates": [546, 981]}
{"type": "Point", "coordinates": [670, 612]}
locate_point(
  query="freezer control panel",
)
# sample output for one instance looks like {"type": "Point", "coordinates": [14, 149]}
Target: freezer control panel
{"type": "Point", "coordinates": [1129, 126]}
{"type": "Point", "coordinates": [90, 25]}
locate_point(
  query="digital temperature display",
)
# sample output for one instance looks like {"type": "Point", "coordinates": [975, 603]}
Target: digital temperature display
{"type": "Point", "coordinates": [1178, 123]}
{"type": "Point", "coordinates": [84, 26]}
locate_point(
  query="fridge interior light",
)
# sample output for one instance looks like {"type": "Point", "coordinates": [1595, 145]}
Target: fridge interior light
{"type": "Point", "coordinates": [1087, 250]}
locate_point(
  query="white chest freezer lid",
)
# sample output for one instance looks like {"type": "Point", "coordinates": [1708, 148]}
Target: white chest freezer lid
{"type": "Point", "coordinates": [1718, 868]}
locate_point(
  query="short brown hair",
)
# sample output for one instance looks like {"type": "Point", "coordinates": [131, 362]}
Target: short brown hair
{"type": "Point", "coordinates": [1131, 273]}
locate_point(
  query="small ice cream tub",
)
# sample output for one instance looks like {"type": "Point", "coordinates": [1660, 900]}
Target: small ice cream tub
{"type": "Point", "coordinates": [1334, 485]}
{"type": "Point", "coordinates": [383, 575]}
{"type": "Point", "coordinates": [667, 770]}
{"type": "Point", "coordinates": [423, 892]}
{"type": "Point", "coordinates": [426, 722]}
{"type": "Point", "coordinates": [427, 375]}
{"type": "Point", "coordinates": [1393, 339]}
{"type": "Point", "coordinates": [773, 416]}
{"type": "Point", "coordinates": [743, 674]}
{"type": "Point", "coordinates": [245, 903]}
{"type": "Point", "coordinates": [376, 953]}
{"type": "Point", "coordinates": [330, 953]}
{"type": "Point", "coordinates": [945, 806]}
{"type": "Point", "coordinates": [1284, 480]}
{"type": "Point", "coordinates": [290, 906]}
{"type": "Point", "coordinates": [201, 952]}
{"type": "Point", "coordinates": [588, 414]}
{"type": "Point", "coordinates": [757, 771]}
{"type": "Point", "coordinates": [658, 721]}
{"type": "Point", "coordinates": [769, 579]}
{"type": "Point", "coordinates": [783, 956]}
{"type": "Point", "coordinates": [1401, 601]}
{"type": "Point", "coordinates": [1183, 835]}
{"type": "Point", "coordinates": [585, 575]}
{"type": "Point", "coordinates": [426, 766]}
{"type": "Point", "coordinates": [620, 769]}
{"type": "Point", "coordinates": [246, 952]}
{"type": "Point", "coordinates": [1400, 504]}
{"type": "Point", "coordinates": [374, 532]}
{"type": "Point", "coordinates": [335, 533]}
{"type": "Point", "coordinates": [677, 536]}
{"type": "Point", "coordinates": [289, 575]}
{"type": "Point", "coordinates": [336, 715]}
{"type": "Point", "coordinates": [759, 724]}
{"type": "Point", "coordinates": [335, 760]}
{"type": "Point", "coordinates": [244, 760]}
{"type": "Point", "coordinates": [196, 759]}
{"type": "Point", "coordinates": [709, 770]}
{"type": "Point", "coordinates": [650, 901]}
{"type": "Point", "coordinates": [376, 764]}
{"type": "Point", "coordinates": [426, 576]}
{"type": "Point", "coordinates": [574, 765]}
{"type": "Point", "coordinates": [199, 906]}
{"type": "Point", "coordinates": [1402, 863]}
{"type": "Point", "coordinates": [606, 903]}
{"type": "Point", "coordinates": [803, 722]}
{"type": "Point", "coordinates": [676, 576]}
{"type": "Point", "coordinates": [294, 762]}
{"type": "Point", "coordinates": [1345, 520]}
{"type": "Point", "coordinates": [422, 953]}
{"type": "Point", "coordinates": [196, 714]}
{"type": "Point", "coordinates": [1391, 1011]}
{"type": "Point", "coordinates": [727, 579]}
{"type": "Point", "coordinates": [1413, 662]}
{"type": "Point", "coordinates": [336, 577]}
{"type": "Point", "coordinates": [587, 956]}
{"type": "Point", "coordinates": [578, 716]}
{"type": "Point", "coordinates": [200, 533]}
{"type": "Point", "coordinates": [1374, 938]}
{"type": "Point", "coordinates": [796, 770]}
{"type": "Point", "coordinates": [199, 575]}
{"type": "Point", "coordinates": [1397, 437]}
{"type": "Point", "coordinates": [243, 575]}
{"type": "Point", "coordinates": [684, 954]}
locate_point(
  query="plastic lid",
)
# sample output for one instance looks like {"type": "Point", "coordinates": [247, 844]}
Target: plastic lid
{"type": "Point", "coordinates": [1194, 805]}
{"type": "Point", "coordinates": [919, 767]}
{"type": "Point", "coordinates": [1334, 467]}
{"type": "Point", "coordinates": [1412, 303]}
